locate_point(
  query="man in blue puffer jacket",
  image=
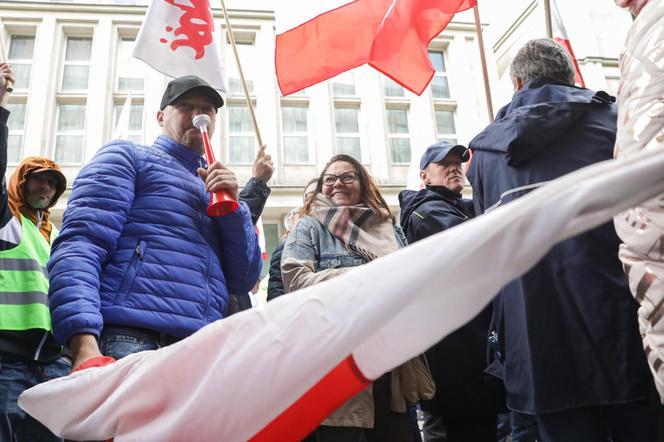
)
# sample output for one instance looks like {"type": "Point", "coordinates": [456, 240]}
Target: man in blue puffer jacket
{"type": "Point", "coordinates": [138, 263]}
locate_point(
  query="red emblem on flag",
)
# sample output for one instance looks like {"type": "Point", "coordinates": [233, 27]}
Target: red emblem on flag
{"type": "Point", "coordinates": [196, 26]}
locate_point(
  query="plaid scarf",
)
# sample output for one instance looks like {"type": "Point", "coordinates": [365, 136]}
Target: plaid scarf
{"type": "Point", "coordinates": [358, 227]}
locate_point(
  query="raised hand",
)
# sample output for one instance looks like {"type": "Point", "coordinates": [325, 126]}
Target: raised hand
{"type": "Point", "coordinates": [263, 165]}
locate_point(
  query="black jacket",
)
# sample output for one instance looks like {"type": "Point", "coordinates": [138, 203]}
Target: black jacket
{"type": "Point", "coordinates": [275, 284]}
{"type": "Point", "coordinates": [254, 194]}
{"type": "Point", "coordinates": [432, 210]}
{"type": "Point", "coordinates": [567, 328]}
{"type": "Point", "coordinates": [458, 361]}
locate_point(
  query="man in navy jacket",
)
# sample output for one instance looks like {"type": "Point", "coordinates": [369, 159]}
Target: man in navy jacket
{"type": "Point", "coordinates": [138, 263]}
{"type": "Point", "coordinates": [570, 351]}
{"type": "Point", "coordinates": [463, 408]}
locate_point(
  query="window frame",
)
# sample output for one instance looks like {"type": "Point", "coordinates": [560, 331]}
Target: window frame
{"type": "Point", "coordinates": [81, 132]}
{"type": "Point", "coordinates": [290, 103]}
{"type": "Point", "coordinates": [65, 63]}
{"type": "Point", "coordinates": [391, 136]}
{"type": "Point", "coordinates": [358, 134]}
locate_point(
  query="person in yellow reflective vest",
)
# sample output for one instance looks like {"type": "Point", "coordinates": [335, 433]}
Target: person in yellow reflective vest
{"type": "Point", "coordinates": [28, 353]}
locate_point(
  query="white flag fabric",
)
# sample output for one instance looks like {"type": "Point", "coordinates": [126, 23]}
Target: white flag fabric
{"type": "Point", "coordinates": [121, 131]}
{"type": "Point", "coordinates": [232, 378]}
{"type": "Point", "coordinates": [179, 38]}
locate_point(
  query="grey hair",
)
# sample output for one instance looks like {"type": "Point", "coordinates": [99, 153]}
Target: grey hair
{"type": "Point", "coordinates": [543, 57]}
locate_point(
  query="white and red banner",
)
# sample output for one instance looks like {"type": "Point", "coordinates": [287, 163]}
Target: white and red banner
{"type": "Point", "coordinates": [273, 373]}
{"type": "Point", "coordinates": [178, 37]}
{"type": "Point", "coordinates": [261, 238]}
{"type": "Point", "coordinates": [560, 35]}
{"type": "Point", "coordinates": [317, 40]}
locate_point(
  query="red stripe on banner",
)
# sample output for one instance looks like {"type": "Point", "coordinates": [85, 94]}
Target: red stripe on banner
{"type": "Point", "coordinates": [301, 418]}
{"type": "Point", "coordinates": [327, 45]}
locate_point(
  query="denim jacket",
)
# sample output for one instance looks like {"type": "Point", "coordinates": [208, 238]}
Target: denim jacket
{"type": "Point", "coordinates": [312, 254]}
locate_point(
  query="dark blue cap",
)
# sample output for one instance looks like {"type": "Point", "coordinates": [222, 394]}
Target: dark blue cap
{"type": "Point", "coordinates": [436, 152]}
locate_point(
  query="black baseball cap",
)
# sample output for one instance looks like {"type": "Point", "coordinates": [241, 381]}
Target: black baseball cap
{"type": "Point", "coordinates": [181, 85]}
{"type": "Point", "coordinates": [436, 152]}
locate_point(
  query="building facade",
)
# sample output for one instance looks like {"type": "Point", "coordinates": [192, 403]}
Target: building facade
{"type": "Point", "coordinates": [75, 71]}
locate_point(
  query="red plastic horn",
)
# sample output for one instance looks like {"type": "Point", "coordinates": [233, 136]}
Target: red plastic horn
{"type": "Point", "coordinates": [221, 202]}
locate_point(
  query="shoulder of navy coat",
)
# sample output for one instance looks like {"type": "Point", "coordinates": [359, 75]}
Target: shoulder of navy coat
{"type": "Point", "coordinates": [136, 247]}
{"type": "Point", "coordinates": [567, 328]}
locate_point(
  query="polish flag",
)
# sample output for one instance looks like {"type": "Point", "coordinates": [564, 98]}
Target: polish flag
{"type": "Point", "coordinates": [317, 40]}
{"type": "Point", "coordinates": [178, 37]}
{"type": "Point", "coordinates": [261, 238]}
{"type": "Point", "coordinates": [273, 373]}
{"type": "Point", "coordinates": [560, 35]}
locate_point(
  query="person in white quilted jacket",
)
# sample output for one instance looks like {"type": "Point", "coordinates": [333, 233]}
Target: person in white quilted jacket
{"type": "Point", "coordinates": [641, 127]}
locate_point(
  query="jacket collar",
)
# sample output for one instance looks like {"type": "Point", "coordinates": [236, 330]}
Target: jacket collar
{"type": "Point", "coordinates": [445, 192]}
{"type": "Point", "coordinates": [186, 156]}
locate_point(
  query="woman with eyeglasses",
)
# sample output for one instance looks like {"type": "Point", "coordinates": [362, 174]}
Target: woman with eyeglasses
{"type": "Point", "coordinates": [346, 224]}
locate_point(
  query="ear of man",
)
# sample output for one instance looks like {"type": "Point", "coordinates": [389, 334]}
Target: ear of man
{"type": "Point", "coordinates": [424, 176]}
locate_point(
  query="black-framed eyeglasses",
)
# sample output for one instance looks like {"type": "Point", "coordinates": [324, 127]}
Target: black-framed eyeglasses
{"type": "Point", "coordinates": [346, 178]}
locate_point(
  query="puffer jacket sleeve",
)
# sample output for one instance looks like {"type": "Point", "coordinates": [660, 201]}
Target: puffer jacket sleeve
{"type": "Point", "coordinates": [240, 252]}
{"type": "Point", "coordinates": [101, 199]}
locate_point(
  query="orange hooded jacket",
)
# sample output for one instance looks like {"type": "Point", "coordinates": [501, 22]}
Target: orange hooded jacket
{"type": "Point", "coordinates": [16, 189]}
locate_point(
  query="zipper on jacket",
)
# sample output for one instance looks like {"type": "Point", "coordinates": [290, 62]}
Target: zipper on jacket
{"type": "Point", "coordinates": [41, 346]}
{"type": "Point", "coordinates": [137, 258]}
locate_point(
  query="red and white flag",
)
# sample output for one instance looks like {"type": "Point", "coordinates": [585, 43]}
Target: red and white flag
{"type": "Point", "coordinates": [261, 238]}
{"type": "Point", "coordinates": [560, 35]}
{"type": "Point", "coordinates": [273, 373]}
{"type": "Point", "coordinates": [178, 38]}
{"type": "Point", "coordinates": [317, 40]}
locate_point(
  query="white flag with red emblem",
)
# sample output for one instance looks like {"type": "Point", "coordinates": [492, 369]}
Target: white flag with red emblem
{"type": "Point", "coordinates": [560, 35]}
{"type": "Point", "coordinates": [179, 38]}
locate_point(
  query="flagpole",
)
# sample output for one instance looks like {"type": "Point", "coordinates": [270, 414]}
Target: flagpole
{"type": "Point", "coordinates": [547, 18]}
{"type": "Point", "coordinates": [485, 71]}
{"type": "Point", "coordinates": [250, 105]}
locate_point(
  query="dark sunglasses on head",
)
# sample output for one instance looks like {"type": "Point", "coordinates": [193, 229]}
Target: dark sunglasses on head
{"type": "Point", "coordinates": [346, 178]}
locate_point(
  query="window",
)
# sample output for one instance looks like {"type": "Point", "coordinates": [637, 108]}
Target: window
{"type": "Point", "coordinates": [134, 130]}
{"type": "Point", "coordinates": [295, 135]}
{"type": "Point", "coordinates": [392, 89]}
{"type": "Point", "coordinates": [16, 126]}
{"type": "Point", "coordinates": [77, 64]}
{"type": "Point", "coordinates": [70, 133]}
{"type": "Point", "coordinates": [399, 137]}
{"type": "Point", "coordinates": [130, 72]}
{"type": "Point", "coordinates": [247, 54]}
{"type": "Point", "coordinates": [241, 141]}
{"type": "Point", "coordinates": [348, 131]}
{"type": "Point", "coordinates": [439, 85]}
{"type": "Point", "coordinates": [21, 49]}
{"type": "Point", "coordinates": [343, 85]}
{"type": "Point", "coordinates": [445, 127]}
